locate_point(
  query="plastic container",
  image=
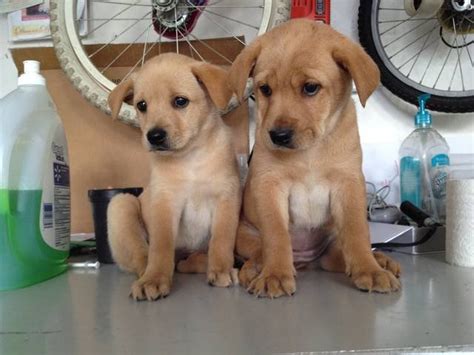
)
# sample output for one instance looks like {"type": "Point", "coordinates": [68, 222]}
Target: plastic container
{"type": "Point", "coordinates": [34, 185]}
{"type": "Point", "coordinates": [100, 201]}
{"type": "Point", "coordinates": [424, 165]}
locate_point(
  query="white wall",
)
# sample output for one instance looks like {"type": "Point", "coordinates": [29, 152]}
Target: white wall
{"type": "Point", "coordinates": [383, 125]}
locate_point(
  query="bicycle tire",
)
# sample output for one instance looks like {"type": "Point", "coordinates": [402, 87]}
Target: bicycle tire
{"type": "Point", "coordinates": [82, 79]}
{"type": "Point", "coordinates": [392, 83]}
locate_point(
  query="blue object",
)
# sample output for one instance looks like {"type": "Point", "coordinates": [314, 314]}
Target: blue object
{"type": "Point", "coordinates": [424, 163]}
{"type": "Point", "coordinates": [423, 117]}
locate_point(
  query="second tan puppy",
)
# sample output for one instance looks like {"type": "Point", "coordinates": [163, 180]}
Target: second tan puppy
{"type": "Point", "coordinates": [192, 203]}
{"type": "Point", "coordinates": [305, 194]}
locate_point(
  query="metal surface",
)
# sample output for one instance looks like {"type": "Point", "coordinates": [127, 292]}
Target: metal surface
{"type": "Point", "coordinates": [384, 233]}
{"type": "Point", "coordinates": [88, 312]}
{"type": "Point", "coordinates": [435, 244]}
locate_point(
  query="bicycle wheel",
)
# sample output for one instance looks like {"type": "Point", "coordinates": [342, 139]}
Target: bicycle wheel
{"type": "Point", "coordinates": [127, 32]}
{"type": "Point", "coordinates": [423, 54]}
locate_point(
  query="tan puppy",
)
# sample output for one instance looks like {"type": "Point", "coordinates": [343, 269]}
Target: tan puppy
{"type": "Point", "coordinates": [193, 200]}
{"type": "Point", "coordinates": [305, 195]}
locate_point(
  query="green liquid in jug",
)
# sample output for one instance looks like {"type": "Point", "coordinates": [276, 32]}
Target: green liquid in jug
{"type": "Point", "coordinates": [25, 258]}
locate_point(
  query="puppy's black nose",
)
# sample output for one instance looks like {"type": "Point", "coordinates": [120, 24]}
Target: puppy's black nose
{"type": "Point", "coordinates": [157, 138]}
{"type": "Point", "coordinates": [282, 136]}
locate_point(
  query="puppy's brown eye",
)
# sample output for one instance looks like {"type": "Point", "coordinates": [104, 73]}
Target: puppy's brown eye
{"type": "Point", "coordinates": [311, 89]}
{"type": "Point", "coordinates": [180, 102]}
{"type": "Point", "coordinates": [141, 106]}
{"type": "Point", "coordinates": [266, 90]}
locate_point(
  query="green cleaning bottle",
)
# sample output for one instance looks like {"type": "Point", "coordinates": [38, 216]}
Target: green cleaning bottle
{"type": "Point", "coordinates": [34, 185]}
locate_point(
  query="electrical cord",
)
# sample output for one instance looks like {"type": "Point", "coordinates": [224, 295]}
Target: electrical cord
{"type": "Point", "coordinates": [378, 210]}
{"type": "Point", "coordinates": [421, 218]}
{"type": "Point", "coordinates": [450, 45]}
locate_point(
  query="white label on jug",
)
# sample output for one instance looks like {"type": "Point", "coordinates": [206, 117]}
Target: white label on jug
{"type": "Point", "coordinates": [55, 201]}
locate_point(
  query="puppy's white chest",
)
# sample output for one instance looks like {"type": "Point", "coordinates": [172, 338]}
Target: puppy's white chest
{"type": "Point", "coordinates": [195, 224]}
{"type": "Point", "coordinates": [308, 205]}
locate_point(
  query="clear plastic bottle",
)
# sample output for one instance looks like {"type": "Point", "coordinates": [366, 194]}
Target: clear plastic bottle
{"type": "Point", "coordinates": [34, 185]}
{"type": "Point", "coordinates": [424, 164]}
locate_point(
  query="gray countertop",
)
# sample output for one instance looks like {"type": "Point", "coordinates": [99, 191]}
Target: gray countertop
{"type": "Point", "coordinates": [89, 312]}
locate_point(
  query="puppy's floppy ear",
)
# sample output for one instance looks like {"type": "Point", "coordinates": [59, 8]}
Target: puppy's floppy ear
{"type": "Point", "coordinates": [122, 92]}
{"type": "Point", "coordinates": [242, 67]}
{"type": "Point", "coordinates": [365, 73]}
{"type": "Point", "coordinates": [214, 79]}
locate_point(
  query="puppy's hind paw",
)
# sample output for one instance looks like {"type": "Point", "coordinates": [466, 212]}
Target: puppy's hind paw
{"type": "Point", "coordinates": [150, 289]}
{"type": "Point", "coordinates": [387, 263]}
{"type": "Point", "coordinates": [248, 273]}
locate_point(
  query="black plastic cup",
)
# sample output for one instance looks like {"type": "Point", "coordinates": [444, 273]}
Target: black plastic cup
{"type": "Point", "coordinates": [100, 201]}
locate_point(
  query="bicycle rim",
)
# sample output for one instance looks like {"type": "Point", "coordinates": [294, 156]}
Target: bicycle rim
{"type": "Point", "coordinates": [420, 53]}
{"type": "Point", "coordinates": [140, 25]}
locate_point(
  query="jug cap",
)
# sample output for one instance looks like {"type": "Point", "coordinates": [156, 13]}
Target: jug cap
{"type": "Point", "coordinates": [31, 74]}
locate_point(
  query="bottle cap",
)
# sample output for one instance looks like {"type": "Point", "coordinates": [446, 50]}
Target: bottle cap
{"type": "Point", "coordinates": [423, 117]}
{"type": "Point", "coordinates": [31, 75]}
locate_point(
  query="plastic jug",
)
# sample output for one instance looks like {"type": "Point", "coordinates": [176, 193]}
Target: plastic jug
{"type": "Point", "coordinates": [424, 163]}
{"type": "Point", "coordinates": [34, 185]}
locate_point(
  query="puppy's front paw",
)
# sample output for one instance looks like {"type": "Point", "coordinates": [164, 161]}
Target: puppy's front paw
{"type": "Point", "coordinates": [273, 283]}
{"type": "Point", "coordinates": [222, 279]}
{"type": "Point", "coordinates": [150, 288]}
{"type": "Point", "coordinates": [378, 280]}
{"type": "Point", "coordinates": [387, 263]}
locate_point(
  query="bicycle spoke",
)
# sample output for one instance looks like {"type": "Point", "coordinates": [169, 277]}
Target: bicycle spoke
{"type": "Point", "coordinates": [216, 2]}
{"type": "Point", "coordinates": [231, 19]}
{"type": "Point", "coordinates": [401, 23]}
{"type": "Point", "coordinates": [429, 33]}
{"type": "Point", "coordinates": [190, 45]}
{"type": "Point", "coordinates": [464, 36]}
{"type": "Point", "coordinates": [459, 59]}
{"type": "Point", "coordinates": [187, 35]}
{"type": "Point", "coordinates": [423, 48]}
{"type": "Point", "coordinates": [416, 40]}
{"type": "Point", "coordinates": [145, 44]}
{"type": "Point", "coordinates": [176, 32]}
{"type": "Point", "coordinates": [212, 49]}
{"type": "Point", "coordinates": [111, 19]}
{"type": "Point", "coordinates": [115, 16]}
{"type": "Point", "coordinates": [406, 33]}
{"type": "Point", "coordinates": [137, 3]}
{"type": "Point", "coordinates": [148, 51]}
{"type": "Point", "coordinates": [159, 39]}
{"type": "Point", "coordinates": [226, 7]}
{"type": "Point", "coordinates": [406, 20]}
{"type": "Point", "coordinates": [431, 59]}
{"type": "Point", "coordinates": [468, 19]}
{"type": "Point", "coordinates": [127, 47]}
{"type": "Point", "coordinates": [442, 68]}
{"type": "Point", "coordinates": [216, 23]}
{"type": "Point", "coordinates": [117, 36]}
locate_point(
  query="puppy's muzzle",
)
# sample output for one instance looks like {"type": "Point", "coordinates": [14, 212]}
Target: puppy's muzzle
{"type": "Point", "coordinates": [282, 137]}
{"type": "Point", "coordinates": [158, 139]}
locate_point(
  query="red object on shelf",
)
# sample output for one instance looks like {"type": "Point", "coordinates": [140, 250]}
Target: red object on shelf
{"type": "Point", "coordinates": [318, 10]}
